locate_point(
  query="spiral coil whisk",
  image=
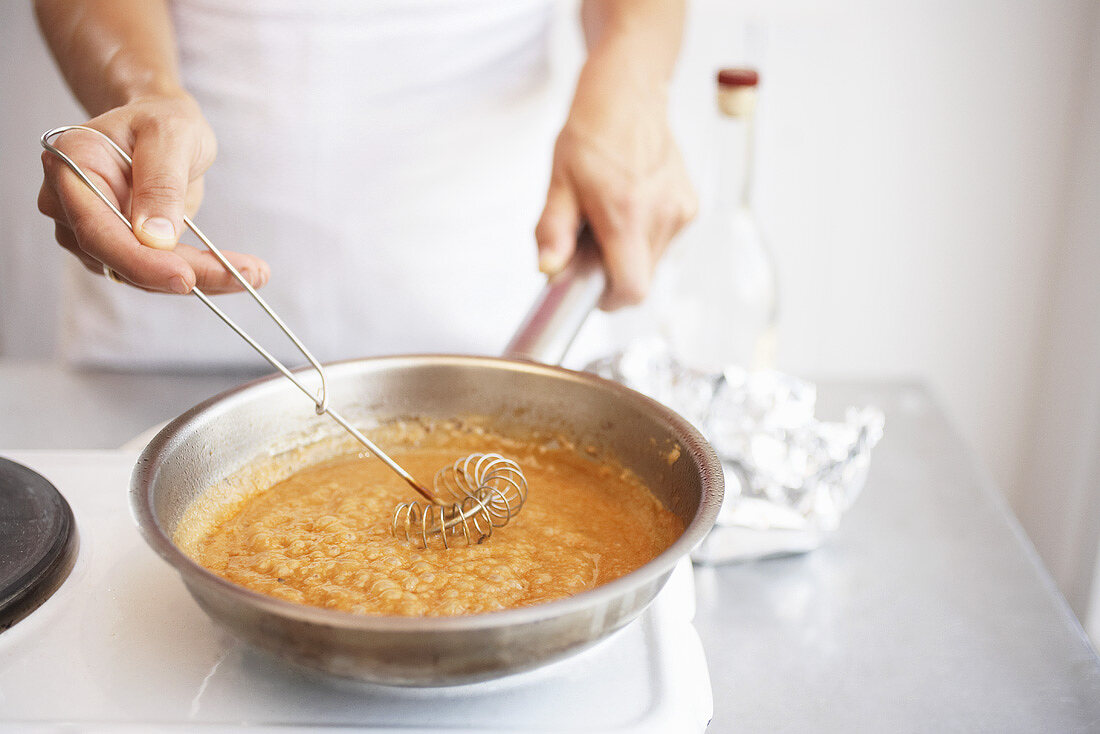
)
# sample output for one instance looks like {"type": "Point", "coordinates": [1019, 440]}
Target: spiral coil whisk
{"type": "Point", "coordinates": [473, 495]}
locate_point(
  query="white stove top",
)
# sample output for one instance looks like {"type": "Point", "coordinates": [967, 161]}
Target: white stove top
{"type": "Point", "coordinates": [122, 646]}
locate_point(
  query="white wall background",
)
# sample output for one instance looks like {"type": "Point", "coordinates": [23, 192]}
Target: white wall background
{"type": "Point", "coordinates": [928, 174]}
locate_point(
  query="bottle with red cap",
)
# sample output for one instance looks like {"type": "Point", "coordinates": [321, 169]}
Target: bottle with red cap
{"type": "Point", "coordinates": [724, 289]}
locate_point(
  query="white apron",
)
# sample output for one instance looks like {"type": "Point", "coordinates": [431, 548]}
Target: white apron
{"type": "Point", "coordinates": [388, 159]}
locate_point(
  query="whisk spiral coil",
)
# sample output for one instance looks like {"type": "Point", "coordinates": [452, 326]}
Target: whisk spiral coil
{"type": "Point", "coordinates": [473, 495]}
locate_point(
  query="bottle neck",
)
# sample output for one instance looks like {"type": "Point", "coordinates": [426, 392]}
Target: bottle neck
{"type": "Point", "coordinates": [735, 161]}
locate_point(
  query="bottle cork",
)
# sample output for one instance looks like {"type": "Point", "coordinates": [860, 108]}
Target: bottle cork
{"type": "Point", "coordinates": [737, 91]}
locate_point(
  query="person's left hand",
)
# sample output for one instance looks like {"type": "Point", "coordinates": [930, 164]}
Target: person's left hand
{"type": "Point", "coordinates": [617, 167]}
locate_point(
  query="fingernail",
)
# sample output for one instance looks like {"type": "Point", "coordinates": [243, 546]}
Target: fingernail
{"type": "Point", "coordinates": [178, 284]}
{"type": "Point", "coordinates": [255, 278]}
{"type": "Point", "coordinates": [551, 262]}
{"type": "Point", "coordinates": [159, 228]}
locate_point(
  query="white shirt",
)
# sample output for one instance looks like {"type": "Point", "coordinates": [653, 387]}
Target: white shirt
{"type": "Point", "coordinates": [388, 159]}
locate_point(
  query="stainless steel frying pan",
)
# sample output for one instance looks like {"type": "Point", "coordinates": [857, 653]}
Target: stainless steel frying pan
{"type": "Point", "coordinates": [221, 436]}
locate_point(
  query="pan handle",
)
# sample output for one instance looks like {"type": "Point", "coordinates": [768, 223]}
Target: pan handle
{"type": "Point", "coordinates": [561, 308]}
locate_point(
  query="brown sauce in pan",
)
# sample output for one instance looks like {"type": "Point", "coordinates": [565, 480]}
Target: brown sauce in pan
{"type": "Point", "coordinates": [322, 536]}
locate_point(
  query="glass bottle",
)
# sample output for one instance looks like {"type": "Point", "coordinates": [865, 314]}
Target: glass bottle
{"type": "Point", "coordinates": [724, 290]}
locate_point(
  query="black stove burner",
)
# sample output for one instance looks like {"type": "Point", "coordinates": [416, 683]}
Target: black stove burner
{"type": "Point", "coordinates": [37, 541]}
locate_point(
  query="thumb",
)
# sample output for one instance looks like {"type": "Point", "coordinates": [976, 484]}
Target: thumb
{"type": "Point", "coordinates": [161, 173]}
{"type": "Point", "coordinates": [556, 232]}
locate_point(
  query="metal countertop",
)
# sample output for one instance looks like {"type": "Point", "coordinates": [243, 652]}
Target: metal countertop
{"type": "Point", "coordinates": [927, 611]}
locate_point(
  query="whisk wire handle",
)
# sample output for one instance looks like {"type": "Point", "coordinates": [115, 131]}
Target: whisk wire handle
{"type": "Point", "coordinates": [321, 398]}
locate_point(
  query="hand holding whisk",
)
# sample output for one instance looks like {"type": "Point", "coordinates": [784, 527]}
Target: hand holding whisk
{"type": "Point", "coordinates": [471, 497]}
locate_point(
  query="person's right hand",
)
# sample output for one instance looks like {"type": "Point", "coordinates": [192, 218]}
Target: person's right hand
{"type": "Point", "coordinates": [171, 146]}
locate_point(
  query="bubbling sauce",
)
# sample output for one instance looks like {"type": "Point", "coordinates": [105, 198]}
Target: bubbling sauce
{"type": "Point", "coordinates": [321, 536]}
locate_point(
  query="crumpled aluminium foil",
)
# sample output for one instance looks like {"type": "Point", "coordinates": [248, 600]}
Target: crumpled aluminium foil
{"type": "Point", "coordinates": [789, 476]}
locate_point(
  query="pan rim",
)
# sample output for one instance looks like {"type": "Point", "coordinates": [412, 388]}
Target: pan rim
{"type": "Point", "coordinates": [692, 443]}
